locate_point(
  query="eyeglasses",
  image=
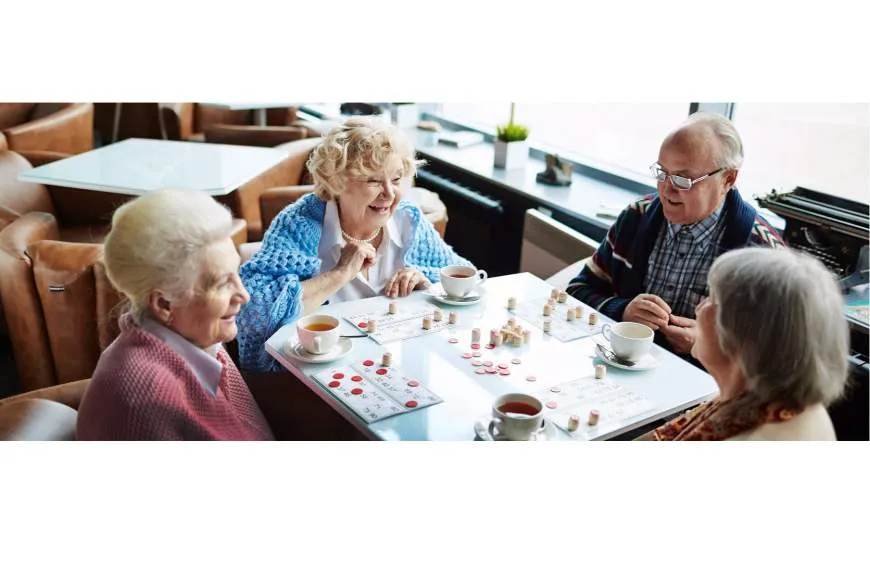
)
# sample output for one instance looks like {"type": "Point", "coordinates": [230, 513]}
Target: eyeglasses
{"type": "Point", "coordinates": [678, 181]}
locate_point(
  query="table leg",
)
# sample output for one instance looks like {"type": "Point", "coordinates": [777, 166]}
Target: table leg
{"type": "Point", "coordinates": [260, 115]}
{"type": "Point", "coordinates": [117, 122]}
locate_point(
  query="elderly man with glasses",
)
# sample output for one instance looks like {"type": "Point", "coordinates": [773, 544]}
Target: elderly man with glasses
{"type": "Point", "coordinates": [652, 267]}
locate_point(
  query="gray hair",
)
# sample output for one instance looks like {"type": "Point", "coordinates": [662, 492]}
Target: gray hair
{"type": "Point", "coordinates": [780, 313]}
{"type": "Point", "coordinates": [730, 154]}
{"type": "Point", "coordinates": [155, 243]}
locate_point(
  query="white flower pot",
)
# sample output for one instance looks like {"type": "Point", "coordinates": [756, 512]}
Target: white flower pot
{"type": "Point", "coordinates": [404, 115]}
{"type": "Point", "coordinates": [512, 155]}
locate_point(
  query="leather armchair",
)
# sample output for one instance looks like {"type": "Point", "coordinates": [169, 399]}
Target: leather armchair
{"type": "Point", "coordinates": [60, 308]}
{"type": "Point", "coordinates": [47, 414]}
{"type": "Point", "coordinates": [62, 127]}
{"type": "Point", "coordinates": [190, 121]}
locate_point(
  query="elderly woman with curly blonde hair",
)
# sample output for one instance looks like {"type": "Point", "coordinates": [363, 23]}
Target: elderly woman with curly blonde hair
{"type": "Point", "coordinates": [773, 336]}
{"type": "Point", "coordinates": [353, 238]}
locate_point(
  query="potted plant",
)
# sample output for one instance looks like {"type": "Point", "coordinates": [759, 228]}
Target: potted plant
{"type": "Point", "coordinates": [511, 148]}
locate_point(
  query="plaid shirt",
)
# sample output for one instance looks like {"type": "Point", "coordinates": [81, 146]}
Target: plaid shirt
{"type": "Point", "coordinates": [680, 260]}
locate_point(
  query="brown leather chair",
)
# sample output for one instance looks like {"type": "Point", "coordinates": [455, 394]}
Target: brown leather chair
{"type": "Point", "coordinates": [62, 127]}
{"type": "Point", "coordinates": [47, 414]}
{"type": "Point", "coordinates": [60, 308]}
{"type": "Point", "coordinates": [82, 215]}
{"type": "Point", "coordinates": [190, 121]}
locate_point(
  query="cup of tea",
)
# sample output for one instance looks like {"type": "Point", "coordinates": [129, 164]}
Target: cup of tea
{"type": "Point", "coordinates": [629, 340]}
{"type": "Point", "coordinates": [458, 281]}
{"type": "Point", "coordinates": [318, 333]}
{"type": "Point", "coordinates": [516, 416]}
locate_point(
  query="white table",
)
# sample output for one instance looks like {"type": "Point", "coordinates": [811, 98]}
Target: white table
{"type": "Point", "coordinates": [137, 166]}
{"type": "Point", "coordinates": [673, 386]}
{"type": "Point", "coordinates": [258, 108]}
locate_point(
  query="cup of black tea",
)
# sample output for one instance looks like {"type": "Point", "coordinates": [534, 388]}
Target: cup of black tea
{"type": "Point", "coordinates": [516, 417]}
{"type": "Point", "coordinates": [458, 281]}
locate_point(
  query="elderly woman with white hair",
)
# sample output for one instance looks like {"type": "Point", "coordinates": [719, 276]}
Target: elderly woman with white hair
{"type": "Point", "coordinates": [773, 335]}
{"type": "Point", "coordinates": [167, 375]}
{"type": "Point", "coordinates": [353, 238]}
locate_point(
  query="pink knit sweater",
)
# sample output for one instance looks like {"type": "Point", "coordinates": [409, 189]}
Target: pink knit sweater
{"type": "Point", "coordinates": [143, 390]}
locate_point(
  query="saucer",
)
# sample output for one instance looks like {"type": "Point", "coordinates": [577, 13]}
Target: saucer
{"type": "Point", "coordinates": [436, 291]}
{"type": "Point", "coordinates": [481, 429]}
{"type": "Point", "coordinates": [298, 352]}
{"type": "Point", "coordinates": [649, 361]}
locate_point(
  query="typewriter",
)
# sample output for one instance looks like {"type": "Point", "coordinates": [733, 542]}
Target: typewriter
{"type": "Point", "coordinates": [836, 231]}
{"type": "Point", "coordinates": [832, 229]}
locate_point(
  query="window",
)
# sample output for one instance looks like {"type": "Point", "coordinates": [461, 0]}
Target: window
{"type": "Point", "coordinates": [824, 147]}
{"type": "Point", "coordinates": [624, 135]}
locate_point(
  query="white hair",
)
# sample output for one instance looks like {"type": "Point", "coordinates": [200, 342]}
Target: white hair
{"type": "Point", "coordinates": [730, 154]}
{"type": "Point", "coordinates": [156, 241]}
{"type": "Point", "coordinates": [780, 313]}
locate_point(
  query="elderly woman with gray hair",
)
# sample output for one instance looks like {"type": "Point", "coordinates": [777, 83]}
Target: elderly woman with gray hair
{"type": "Point", "coordinates": [773, 335]}
{"type": "Point", "coordinates": [353, 238]}
{"type": "Point", "coordinates": [167, 375]}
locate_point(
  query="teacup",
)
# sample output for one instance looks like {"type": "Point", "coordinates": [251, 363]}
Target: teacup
{"type": "Point", "coordinates": [629, 341]}
{"type": "Point", "coordinates": [516, 417]}
{"type": "Point", "coordinates": [318, 333]}
{"type": "Point", "coordinates": [458, 281]}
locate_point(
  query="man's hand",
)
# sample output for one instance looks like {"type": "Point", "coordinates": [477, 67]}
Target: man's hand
{"type": "Point", "coordinates": [681, 333]}
{"type": "Point", "coordinates": [648, 309]}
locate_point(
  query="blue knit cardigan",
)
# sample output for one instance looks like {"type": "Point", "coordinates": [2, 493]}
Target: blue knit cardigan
{"type": "Point", "coordinates": [288, 257]}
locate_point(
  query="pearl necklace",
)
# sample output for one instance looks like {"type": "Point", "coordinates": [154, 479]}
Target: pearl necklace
{"type": "Point", "coordinates": [350, 238]}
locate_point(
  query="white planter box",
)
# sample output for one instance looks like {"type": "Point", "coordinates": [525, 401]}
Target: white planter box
{"type": "Point", "coordinates": [512, 155]}
{"type": "Point", "coordinates": [404, 115]}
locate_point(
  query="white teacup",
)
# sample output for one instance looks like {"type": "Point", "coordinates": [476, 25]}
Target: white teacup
{"type": "Point", "coordinates": [458, 281]}
{"type": "Point", "coordinates": [629, 340]}
{"type": "Point", "coordinates": [516, 416]}
{"type": "Point", "coordinates": [318, 333]}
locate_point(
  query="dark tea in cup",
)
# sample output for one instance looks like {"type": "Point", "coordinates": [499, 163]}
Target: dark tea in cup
{"type": "Point", "coordinates": [319, 327]}
{"type": "Point", "coordinates": [518, 408]}
{"type": "Point", "coordinates": [460, 275]}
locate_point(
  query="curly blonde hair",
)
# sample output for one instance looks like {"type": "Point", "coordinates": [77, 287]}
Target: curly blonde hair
{"type": "Point", "coordinates": [357, 148]}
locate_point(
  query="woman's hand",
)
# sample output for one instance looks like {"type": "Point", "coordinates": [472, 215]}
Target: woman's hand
{"type": "Point", "coordinates": [404, 282]}
{"type": "Point", "coordinates": [355, 256]}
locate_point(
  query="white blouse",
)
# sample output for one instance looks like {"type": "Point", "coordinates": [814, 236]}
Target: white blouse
{"type": "Point", "coordinates": [390, 256]}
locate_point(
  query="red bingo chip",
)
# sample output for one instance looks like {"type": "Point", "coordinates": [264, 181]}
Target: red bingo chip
{"type": "Point", "coordinates": [476, 363]}
{"type": "Point", "coordinates": [338, 376]}
{"type": "Point", "coordinates": [490, 346]}
{"type": "Point", "coordinates": [531, 378]}
{"type": "Point", "coordinates": [411, 404]}
{"type": "Point", "coordinates": [368, 363]}
{"type": "Point", "coordinates": [488, 363]}
{"type": "Point", "coordinates": [477, 354]}
{"type": "Point", "coordinates": [552, 405]}
{"type": "Point", "coordinates": [334, 384]}
{"type": "Point", "coordinates": [491, 370]}
{"type": "Point", "coordinates": [356, 391]}
{"type": "Point", "coordinates": [467, 355]}
{"type": "Point", "coordinates": [475, 346]}
{"type": "Point", "coordinates": [362, 324]}
{"type": "Point", "coordinates": [502, 366]}
{"type": "Point", "coordinates": [381, 371]}
{"type": "Point", "coordinates": [413, 383]}
{"type": "Point", "coordinates": [481, 371]}
{"type": "Point", "coordinates": [504, 372]}
{"type": "Point", "coordinates": [356, 378]}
